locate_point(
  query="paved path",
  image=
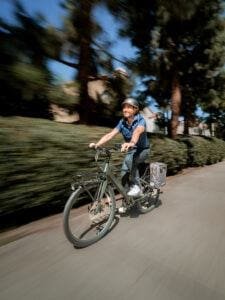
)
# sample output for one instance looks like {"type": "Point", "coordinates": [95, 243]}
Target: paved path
{"type": "Point", "coordinates": [176, 252]}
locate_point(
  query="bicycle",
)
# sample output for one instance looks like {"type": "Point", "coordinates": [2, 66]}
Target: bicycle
{"type": "Point", "coordinates": [90, 210]}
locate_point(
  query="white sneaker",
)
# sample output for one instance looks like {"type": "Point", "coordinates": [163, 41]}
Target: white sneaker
{"type": "Point", "coordinates": [134, 191]}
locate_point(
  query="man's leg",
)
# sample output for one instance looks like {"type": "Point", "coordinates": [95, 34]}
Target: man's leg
{"type": "Point", "coordinates": [125, 175]}
{"type": "Point", "coordinates": [126, 168]}
{"type": "Point", "coordinates": [130, 164]}
{"type": "Point", "coordinates": [138, 158]}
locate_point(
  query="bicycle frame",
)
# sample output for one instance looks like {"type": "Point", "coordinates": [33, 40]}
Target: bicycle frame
{"type": "Point", "coordinates": [110, 177]}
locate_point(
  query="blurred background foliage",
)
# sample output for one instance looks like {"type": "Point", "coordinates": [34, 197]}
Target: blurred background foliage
{"type": "Point", "coordinates": [179, 61]}
{"type": "Point", "coordinates": [39, 159]}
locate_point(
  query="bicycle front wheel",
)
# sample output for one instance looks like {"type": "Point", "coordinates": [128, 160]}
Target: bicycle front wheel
{"type": "Point", "coordinates": [86, 218]}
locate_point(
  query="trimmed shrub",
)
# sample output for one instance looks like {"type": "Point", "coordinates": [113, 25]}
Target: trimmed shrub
{"type": "Point", "coordinates": [204, 150]}
{"type": "Point", "coordinates": [39, 158]}
{"type": "Point", "coordinates": [171, 152]}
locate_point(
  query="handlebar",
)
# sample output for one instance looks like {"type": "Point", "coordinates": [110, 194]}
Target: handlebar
{"type": "Point", "coordinates": [105, 151]}
{"type": "Point", "coordinates": [108, 150]}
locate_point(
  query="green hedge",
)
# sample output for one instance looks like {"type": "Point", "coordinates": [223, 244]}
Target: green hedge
{"type": "Point", "coordinates": [171, 152]}
{"type": "Point", "coordinates": [204, 150]}
{"type": "Point", "coordinates": [38, 159]}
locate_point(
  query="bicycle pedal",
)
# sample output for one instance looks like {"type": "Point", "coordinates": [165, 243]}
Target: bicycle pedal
{"type": "Point", "coordinates": [98, 219]}
{"type": "Point", "coordinates": [122, 210]}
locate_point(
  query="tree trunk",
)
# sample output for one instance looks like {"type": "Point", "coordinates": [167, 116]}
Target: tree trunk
{"type": "Point", "coordinates": [87, 105]}
{"type": "Point", "coordinates": [175, 107]}
{"type": "Point", "coordinates": [186, 125]}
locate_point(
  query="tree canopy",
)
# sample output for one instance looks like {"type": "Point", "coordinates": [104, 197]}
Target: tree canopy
{"type": "Point", "coordinates": [180, 50]}
{"type": "Point", "coordinates": [180, 57]}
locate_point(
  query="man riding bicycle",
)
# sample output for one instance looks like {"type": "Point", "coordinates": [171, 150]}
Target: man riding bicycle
{"type": "Point", "coordinates": [133, 128]}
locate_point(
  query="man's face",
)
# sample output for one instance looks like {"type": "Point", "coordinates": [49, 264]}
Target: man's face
{"type": "Point", "coordinates": [129, 111]}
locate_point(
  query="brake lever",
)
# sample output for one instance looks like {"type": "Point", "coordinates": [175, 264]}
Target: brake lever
{"type": "Point", "coordinates": [97, 154]}
{"type": "Point", "coordinates": [117, 146]}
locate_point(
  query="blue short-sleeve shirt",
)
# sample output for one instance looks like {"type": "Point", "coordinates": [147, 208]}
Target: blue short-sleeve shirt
{"type": "Point", "coordinates": [128, 129]}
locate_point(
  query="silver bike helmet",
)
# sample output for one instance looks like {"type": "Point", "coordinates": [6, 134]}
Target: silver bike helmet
{"type": "Point", "coordinates": [131, 101]}
{"type": "Point", "coordinates": [121, 71]}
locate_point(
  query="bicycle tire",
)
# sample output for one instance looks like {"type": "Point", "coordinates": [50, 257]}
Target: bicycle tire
{"type": "Point", "coordinates": [150, 198]}
{"type": "Point", "coordinates": [77, 212]}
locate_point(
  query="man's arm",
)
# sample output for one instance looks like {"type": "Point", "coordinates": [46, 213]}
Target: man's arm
{"type": "Point", "coordinates": [107, 137]}
{"type": "Point", "coordinates": [136, 134]}
{"type": "Point", "coordinates": [135, 137]}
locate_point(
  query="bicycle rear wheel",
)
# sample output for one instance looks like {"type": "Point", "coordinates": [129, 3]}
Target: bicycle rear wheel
{"type": "Point", "coordinates": [150, 198]}
{"type": "Point", "coordinates": [86, 218]}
